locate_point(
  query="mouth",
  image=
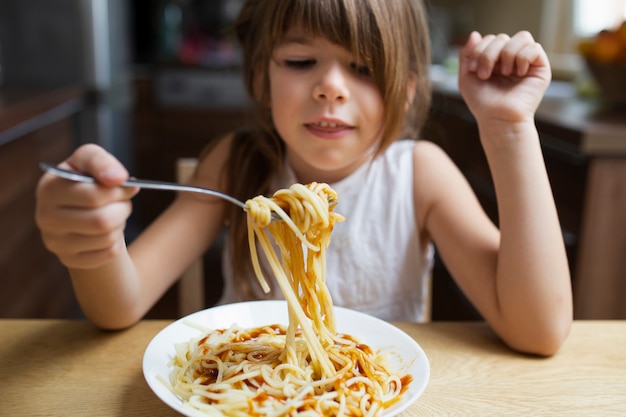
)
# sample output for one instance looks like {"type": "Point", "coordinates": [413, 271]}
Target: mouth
{"type": "Point", "coordinates": [328, 128]}
{"type": "Point", "coordinates": [328, 125]}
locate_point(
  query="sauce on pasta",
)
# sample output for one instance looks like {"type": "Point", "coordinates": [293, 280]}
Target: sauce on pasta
{"type": "Point", "coordinates": [305, 367]}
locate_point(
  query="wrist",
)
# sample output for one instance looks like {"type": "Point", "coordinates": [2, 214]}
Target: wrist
{"type": "Point", "coordinates": [505, 136]}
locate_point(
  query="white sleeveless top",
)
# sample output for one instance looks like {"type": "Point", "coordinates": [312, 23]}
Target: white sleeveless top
{"type": "Point", "coordinates": [375, 262]}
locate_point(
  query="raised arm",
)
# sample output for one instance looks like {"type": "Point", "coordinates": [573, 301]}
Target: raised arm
{"type": "Point", "coordinates": [518, 278]}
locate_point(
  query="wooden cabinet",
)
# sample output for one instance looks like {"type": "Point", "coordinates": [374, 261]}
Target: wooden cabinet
{"type": "Point", "coordinates": [584, 147]}
{"type": "Point", "coordinates": [35, 126]}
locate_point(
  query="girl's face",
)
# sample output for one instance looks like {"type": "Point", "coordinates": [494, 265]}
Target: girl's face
{"type": "Point", "coordinates": [325, 106]}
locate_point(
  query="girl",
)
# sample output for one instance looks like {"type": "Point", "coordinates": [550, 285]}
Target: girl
{"type": "Point", "coordinates": [336, 84]}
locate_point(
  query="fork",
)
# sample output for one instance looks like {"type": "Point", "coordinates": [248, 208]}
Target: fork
{"type": "Point", "coordinates": [149, 184]}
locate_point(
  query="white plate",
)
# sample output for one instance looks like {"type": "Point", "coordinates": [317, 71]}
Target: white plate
{"type": "Point", "coordinates": [405, 355]}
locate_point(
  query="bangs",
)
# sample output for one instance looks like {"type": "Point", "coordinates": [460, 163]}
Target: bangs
{"type": "Point", "coordinates": [345, 23]}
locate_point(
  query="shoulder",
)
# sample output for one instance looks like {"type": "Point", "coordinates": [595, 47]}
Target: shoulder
{"type": "Point", "coordinates": [429, 158]}
{"type": "Point", "coordinates": [212, 162]}
{"type": "Point", "coordinates": [425, 152]}
{"type": "Point", "coordinates": [435, 177]}
{"type": "Point", "coordinates": [431, 165]}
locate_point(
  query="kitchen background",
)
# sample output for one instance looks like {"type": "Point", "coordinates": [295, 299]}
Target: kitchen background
{"type": "Point", "coordinates": [154, 80]}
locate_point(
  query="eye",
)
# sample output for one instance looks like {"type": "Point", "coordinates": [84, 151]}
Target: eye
{"type": "Point", "coordinates": [363, 70]}
{"type": "Point", "coordinates": [299, 63]}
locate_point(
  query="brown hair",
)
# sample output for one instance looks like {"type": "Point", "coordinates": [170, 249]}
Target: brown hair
{"type": "Point", "coordinates": [391, 36]}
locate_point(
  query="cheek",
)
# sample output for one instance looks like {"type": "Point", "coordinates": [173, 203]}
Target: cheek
{"type": "Point", "coordinates": [373, 105]}
{"type": "Point", "coordinates": [287, 89]}
{"type": "Point", "coordinates": [280, 110]}
{"type": "Point", "coordinates": [287, 98]}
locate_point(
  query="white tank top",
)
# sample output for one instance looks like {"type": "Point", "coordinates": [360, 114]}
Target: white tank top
{"type": "Point", "coordinates": [375, 262]}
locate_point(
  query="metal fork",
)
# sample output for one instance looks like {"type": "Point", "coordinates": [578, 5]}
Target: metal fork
{"type": "Point", "coordinates": [149, 184]}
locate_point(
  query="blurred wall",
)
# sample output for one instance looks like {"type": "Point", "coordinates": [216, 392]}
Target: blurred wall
{"type": "Point", "coordinates": [454, 19]}
{"type": "Point", "coordinates": [41, 43]}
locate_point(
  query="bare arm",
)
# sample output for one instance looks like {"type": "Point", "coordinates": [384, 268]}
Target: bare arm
{"type": "Point", "coordinates": [517, 277]}
{"type": "Point", "coordinates": [83, 225]}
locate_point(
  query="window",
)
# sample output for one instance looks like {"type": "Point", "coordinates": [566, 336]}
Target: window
{"type": "Point", "coordinates": [565, 22]}
{"type": "Point", "coordinates": [590, 18]}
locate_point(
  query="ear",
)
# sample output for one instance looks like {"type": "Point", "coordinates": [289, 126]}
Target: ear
{"type": "Point", "coordinates": [410, 90]}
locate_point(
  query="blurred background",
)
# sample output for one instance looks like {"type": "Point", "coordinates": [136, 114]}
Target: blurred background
{"type": "Point", "coordinates": [154, 80]}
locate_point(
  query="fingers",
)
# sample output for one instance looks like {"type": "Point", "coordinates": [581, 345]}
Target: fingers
{"type": "Point", "coordinates": [83, 224]}
{"type": "Point", "coordinates": [91, 159]}
{"type": "Point", "coordinates": [56, 191]}
{"type": "Point", "coordinates": [61, 220]}
{"type": "Point", "coordinates": [83, 238]}
{"type": "Point", "coordinates": [84, 251]}
{"type": "Point", "coordinates": [501, 54]}
{"type": "Point", "coordinates": [94, 160]}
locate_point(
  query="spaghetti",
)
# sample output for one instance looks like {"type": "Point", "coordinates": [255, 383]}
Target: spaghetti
{"type": "Point", "coordinates": [305, 368]}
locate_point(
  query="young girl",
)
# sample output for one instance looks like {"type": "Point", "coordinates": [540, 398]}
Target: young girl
{"type": "Point", "coordinates": [336, 84]}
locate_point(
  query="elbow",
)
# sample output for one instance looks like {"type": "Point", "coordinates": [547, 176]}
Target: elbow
{"type": "Point", "coordinates": [542, 331]}
{"type": "Point", "coordinates": [556, 337]}
{"type": "Point", "coordinates": [112, 325]}
{"type": "Point", "coordinates": [548, 345]}
{"type": "Point", "coordinates": [545, 339]}
{"type": "Point", "coordinates": [553, 333]}
{"type": "Point", "coordinates": [111, 321]}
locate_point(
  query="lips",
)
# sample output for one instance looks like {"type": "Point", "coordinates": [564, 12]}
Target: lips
{"type": "Point", "coordinates": [328, 128]}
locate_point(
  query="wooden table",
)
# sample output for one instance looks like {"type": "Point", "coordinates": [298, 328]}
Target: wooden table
{"type": "Point", "coordinates": [69, 368]}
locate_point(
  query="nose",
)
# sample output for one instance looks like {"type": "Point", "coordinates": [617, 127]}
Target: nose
{"type": "Point", "coordinates": [332, 85]}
